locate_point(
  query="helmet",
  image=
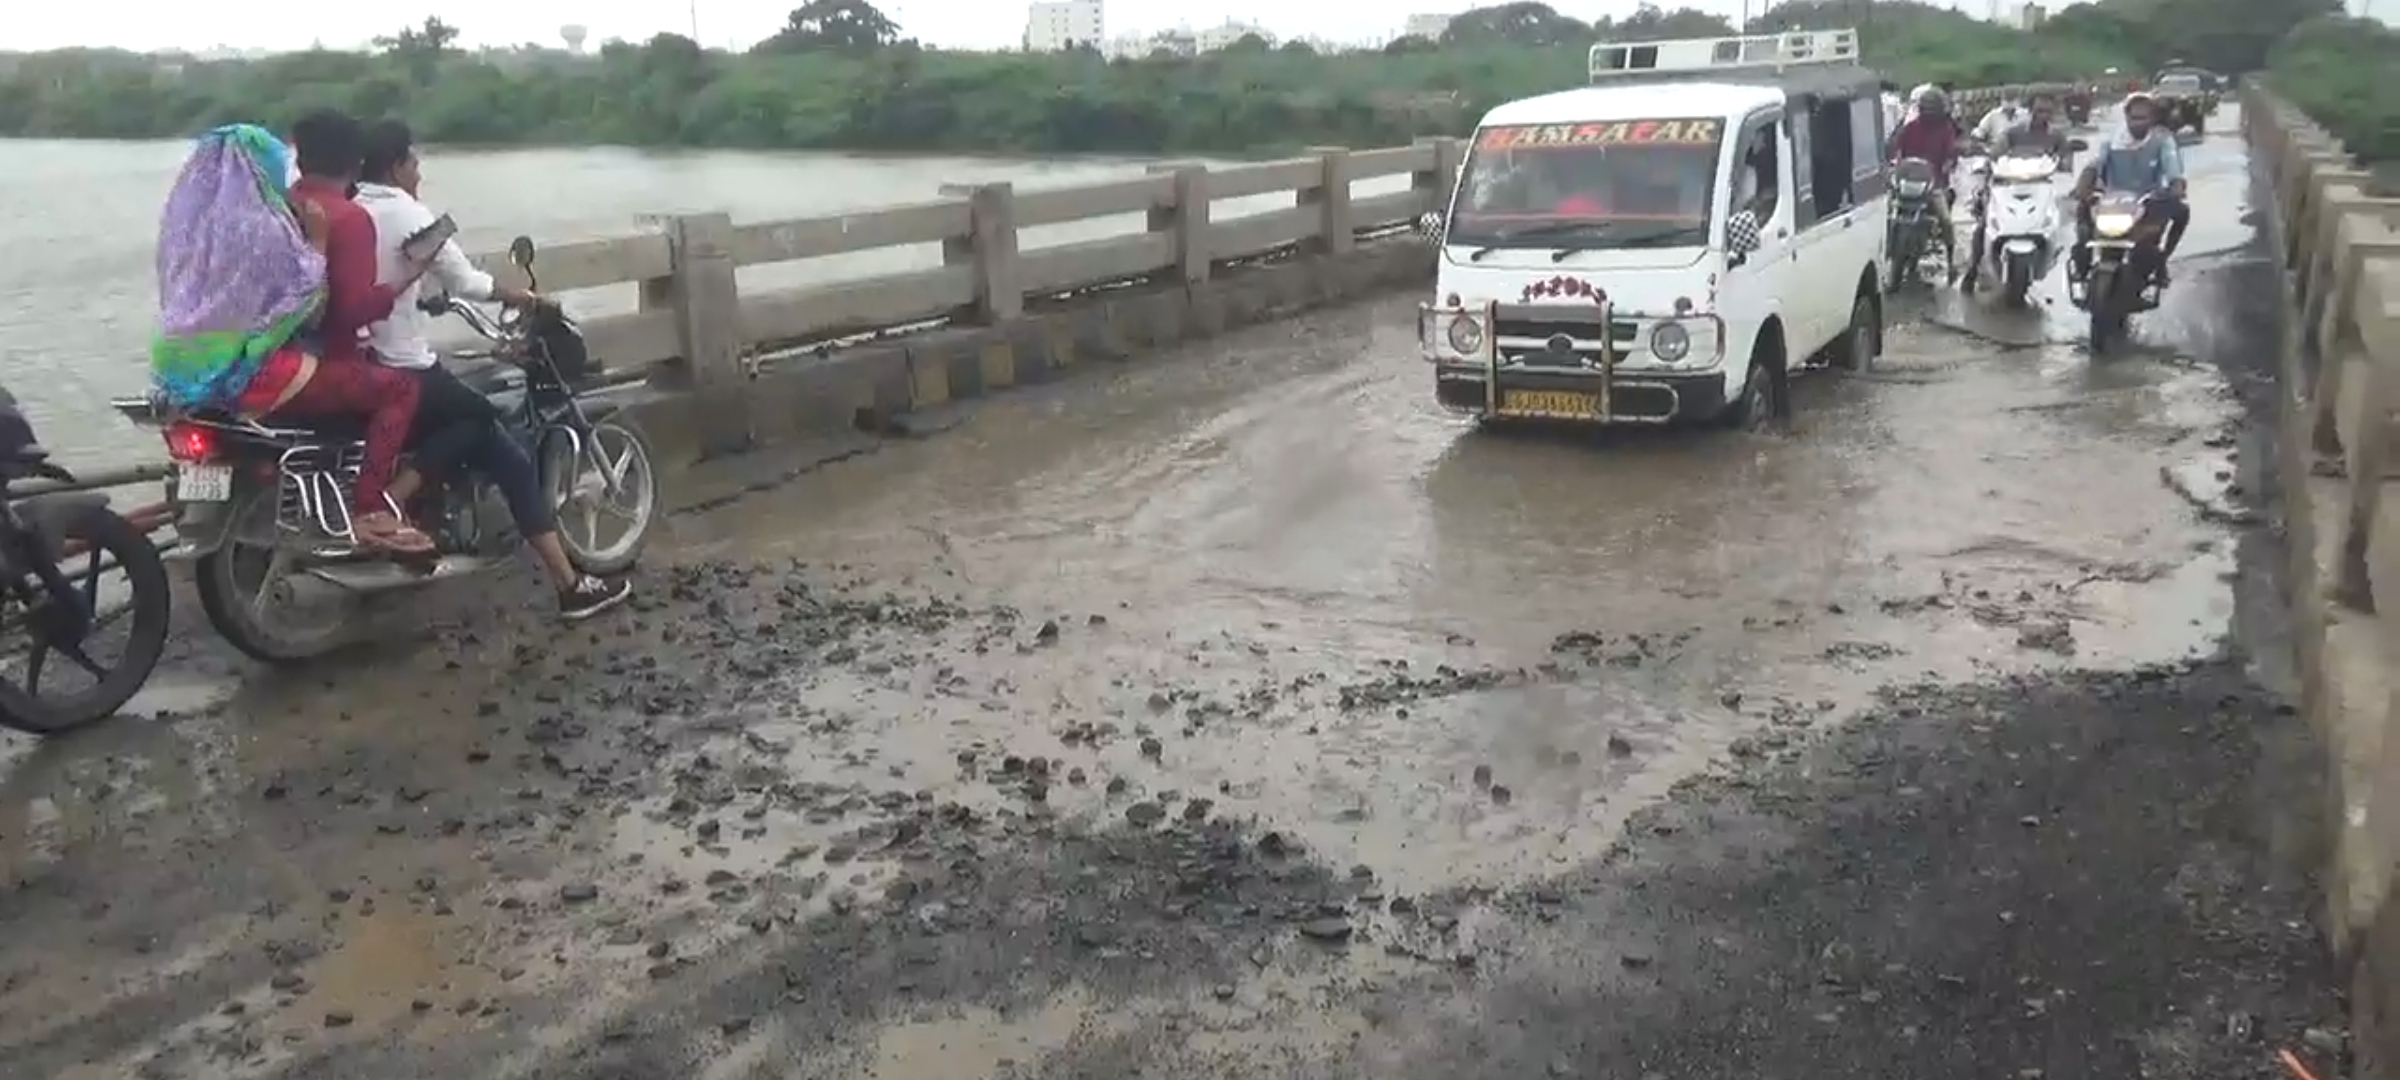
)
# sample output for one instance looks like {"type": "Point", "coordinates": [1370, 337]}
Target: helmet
{"type": "Point", "coordinates": [1933, 100]}
{"type": "Point", "coordinates": [1918, 94]}
{"type": "Point", "coordinates": [2140, 97]}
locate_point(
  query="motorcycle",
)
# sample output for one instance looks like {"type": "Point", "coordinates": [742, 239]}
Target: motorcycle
{"type": "Point", "coordinates": [2119, 284]}
{"type": "Point", "coordinates": [2016, 223]}
{"type": "Point", "coordinates": [2077, 105]}
{"type": "Point", "coordinates": [1916, 230]}
{"type": "Point", "coordinates": [56, 548]}
{"type": "Point", "coordinates": [262, 509]}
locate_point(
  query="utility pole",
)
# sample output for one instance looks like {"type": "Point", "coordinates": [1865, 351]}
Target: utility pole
{"type": "Point", "coordinates": [695, 22]}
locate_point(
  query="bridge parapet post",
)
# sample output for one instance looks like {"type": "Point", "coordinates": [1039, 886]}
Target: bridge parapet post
{"type": "Point", "coordinates": [1185, 220]}
{"type": "Point", "coordinates": [704, 297]}
{"type": "Point", "coordinates": [990, 250]}
{"type": "Point", "coordinates": [1336, 234]}
{"type": "Point", "coordinates": [1435, 184]}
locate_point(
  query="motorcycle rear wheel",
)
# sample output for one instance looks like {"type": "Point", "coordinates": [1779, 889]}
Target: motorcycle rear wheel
{"type": "Point", "coordinates": [108, 539]}
{"type": "Point", "coordinates": [232, 606]}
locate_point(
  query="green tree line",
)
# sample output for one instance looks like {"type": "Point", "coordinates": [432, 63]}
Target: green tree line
{"type": "Point", "coordinates": [840, 74]}
{"type": "Point", "coordinates": [2346, 73]}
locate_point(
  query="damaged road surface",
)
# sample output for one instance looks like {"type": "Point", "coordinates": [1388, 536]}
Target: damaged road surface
{"type": "Point", "coordinates": [1240, 715]}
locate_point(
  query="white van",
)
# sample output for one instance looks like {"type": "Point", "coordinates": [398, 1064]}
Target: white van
{"type": "Point", "coordinates": [1670, 242]}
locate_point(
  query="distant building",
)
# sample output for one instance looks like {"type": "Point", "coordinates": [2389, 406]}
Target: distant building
{"type": "Point", "coordinates": [2031, 16]}
{"type": "Point", "coordinates": [1220, 37]}
{"type": "Point", "coordinates": [1429, 27]}
{"type": "Point", "coordinates": [1059, 25]}
{"type": "Point", "coordinates": [1172, 42]}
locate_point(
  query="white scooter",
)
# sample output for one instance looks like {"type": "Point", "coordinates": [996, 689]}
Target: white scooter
{"type": "Point", "coordinates": [2017, 223]}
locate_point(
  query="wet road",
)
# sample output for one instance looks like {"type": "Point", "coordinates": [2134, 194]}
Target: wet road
{"type": "Point", "coordinates": [1240, 714]}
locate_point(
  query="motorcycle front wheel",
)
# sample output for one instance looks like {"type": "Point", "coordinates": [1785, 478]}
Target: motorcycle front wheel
{"type": "Point", "coordinates": [606, 496]}
{"type": "Point", "coordinates": [2016, 279]}
{"type": "Point", "coordinates": [106, 555]}
{"type": "Point", "coordinates": [2107, 311]}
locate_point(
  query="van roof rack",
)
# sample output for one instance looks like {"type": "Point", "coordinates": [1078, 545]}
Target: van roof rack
{"type": "Point", "coordinates": [1748, 53]}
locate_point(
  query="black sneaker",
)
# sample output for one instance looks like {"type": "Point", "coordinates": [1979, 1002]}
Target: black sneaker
{"type": "Point", "coordinates": [590, 597]}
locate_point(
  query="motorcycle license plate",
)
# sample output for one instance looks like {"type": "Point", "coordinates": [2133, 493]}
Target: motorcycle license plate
{"type": "Point", "coordinates": [204, 483]}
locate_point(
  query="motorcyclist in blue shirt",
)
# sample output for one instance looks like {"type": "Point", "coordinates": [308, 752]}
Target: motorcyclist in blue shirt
{"type": "Point", "coordinates": [2142, 159]}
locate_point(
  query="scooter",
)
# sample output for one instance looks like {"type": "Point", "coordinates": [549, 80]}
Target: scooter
{"type": "Point", "coordinates": [2016, 223]}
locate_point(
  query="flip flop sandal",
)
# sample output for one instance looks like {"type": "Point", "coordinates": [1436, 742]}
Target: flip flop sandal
{"type": "Point", "coordinates": [385, 533]}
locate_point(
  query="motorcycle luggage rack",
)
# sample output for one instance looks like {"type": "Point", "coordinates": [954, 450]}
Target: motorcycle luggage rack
{"type": "Point", "coordinates": [313, 492]}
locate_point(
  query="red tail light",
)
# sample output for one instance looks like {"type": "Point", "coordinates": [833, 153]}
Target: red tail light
{"type": "Point", "coordinates": [191, 443]}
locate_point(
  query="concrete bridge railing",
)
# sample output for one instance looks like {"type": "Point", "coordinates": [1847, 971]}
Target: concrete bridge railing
{"type": "Point", "coordinates": [726, 369]}
{"type": "Point", "coordinates": [2336, 231]}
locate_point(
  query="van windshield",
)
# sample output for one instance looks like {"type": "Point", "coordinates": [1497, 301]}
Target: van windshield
{"type": "Point", "coordinates": [1616, 184]}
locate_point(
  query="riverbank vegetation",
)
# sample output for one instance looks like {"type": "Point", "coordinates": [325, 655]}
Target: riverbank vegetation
{"type": "Point", "coordinates": [2346, 73]}
{"type": "Point", "coordinates": [842, 75]}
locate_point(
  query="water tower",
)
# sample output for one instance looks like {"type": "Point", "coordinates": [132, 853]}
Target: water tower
{"type": "Point", "coordinates": [573, 35]}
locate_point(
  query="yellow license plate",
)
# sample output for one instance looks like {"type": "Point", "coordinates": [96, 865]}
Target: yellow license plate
{"type": "Point", "coordinates": [1555, 404]}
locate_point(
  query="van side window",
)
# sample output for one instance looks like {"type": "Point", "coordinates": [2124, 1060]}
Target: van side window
{"type": "Point", "coordinates": [1804, 201]}
{"type": "Point", "coordinates": [1866, 149]}
{"type": "Point", "coordinates": [1754, 185]}
{"type": "Point", "coordinates": [1828, 162]}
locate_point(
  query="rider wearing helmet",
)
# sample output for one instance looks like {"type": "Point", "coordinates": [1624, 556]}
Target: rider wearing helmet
{"type": "Point", "coordinates": [1932, 135]}
{"type": "Point", "coordinates": [2141, 159]}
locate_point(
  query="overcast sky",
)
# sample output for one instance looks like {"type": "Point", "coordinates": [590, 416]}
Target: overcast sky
{"type": "Point", "coordinates": [159, 24]}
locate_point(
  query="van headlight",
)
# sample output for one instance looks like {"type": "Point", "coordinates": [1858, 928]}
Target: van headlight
{"type": "Point", "coordinates": [2112, 226]}
{"type": "Point", "coordinates": [1670, 342]}
{"type": "Point", "coordinates": [1466, 335]}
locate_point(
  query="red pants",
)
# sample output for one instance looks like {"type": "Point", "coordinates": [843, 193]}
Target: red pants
{"type": "Point", "coordinates": [386, 398]}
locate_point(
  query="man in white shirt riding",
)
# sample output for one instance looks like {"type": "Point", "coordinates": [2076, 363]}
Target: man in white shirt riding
{"type": "Point", "coordinates": [1997, 124]}
{"type": "Point", "coordinates": [455, 424]}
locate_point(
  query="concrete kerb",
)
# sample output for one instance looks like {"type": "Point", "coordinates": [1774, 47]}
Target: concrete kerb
{"type": "Point", "coordinates": [2341, 250]}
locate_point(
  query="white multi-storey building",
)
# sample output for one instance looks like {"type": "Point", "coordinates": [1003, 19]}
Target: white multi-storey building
{"type": "Point", "coordinates": [1059, 25]}
{"type": "Point", "coordinates": [1219, 37]}
{"type": "Point", "coordinates": [1429, 27]}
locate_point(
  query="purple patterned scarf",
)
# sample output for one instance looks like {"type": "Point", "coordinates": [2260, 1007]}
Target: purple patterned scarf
{"type": "Point", "coordinates": [236, 277]}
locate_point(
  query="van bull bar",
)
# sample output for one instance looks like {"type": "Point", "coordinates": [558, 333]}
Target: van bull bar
{"type": "Point", "coordinates": [1573, 368]}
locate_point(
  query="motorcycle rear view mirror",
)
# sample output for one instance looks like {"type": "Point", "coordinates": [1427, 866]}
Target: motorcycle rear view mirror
{"type": "Point", "coordinates": [520, 252]}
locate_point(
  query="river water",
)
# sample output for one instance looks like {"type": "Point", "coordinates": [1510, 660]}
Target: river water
{"type": "Point", "coordinates": [78, 301]}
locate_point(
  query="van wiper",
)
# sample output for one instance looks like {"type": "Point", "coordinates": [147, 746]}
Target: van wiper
{"type": "Point", "coordinates": [1555, 228]}
{"type": "Point", "coordinates": [1696, 233]}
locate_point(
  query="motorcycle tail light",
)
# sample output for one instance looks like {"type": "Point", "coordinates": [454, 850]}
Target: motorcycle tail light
{"type": "Point", "coordinates": [190, 443]}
